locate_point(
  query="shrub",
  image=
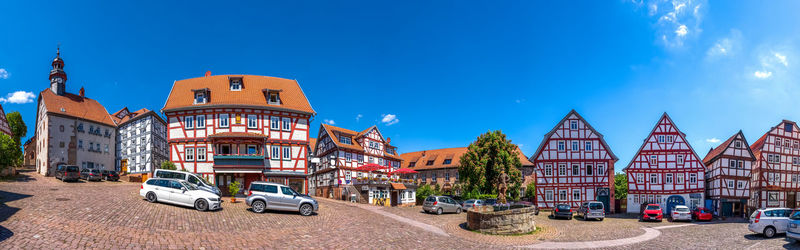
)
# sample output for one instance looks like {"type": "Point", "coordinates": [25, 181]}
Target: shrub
{"type": "Point", "coordinates": [233, 188]}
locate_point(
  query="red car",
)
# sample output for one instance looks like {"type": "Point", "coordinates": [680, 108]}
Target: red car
{"type": "Point", "coordinates": [652, 212]}
{"type": "Point", "coordinates": [701, 213]}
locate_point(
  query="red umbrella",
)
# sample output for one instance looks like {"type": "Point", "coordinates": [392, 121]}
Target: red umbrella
{"type": "Point", "coordinates": [404, 171]}
{"type": "Point", "coordinates": [371, 167]}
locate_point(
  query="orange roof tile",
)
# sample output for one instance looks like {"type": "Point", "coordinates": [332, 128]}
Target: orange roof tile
{"type": "Point", "coordinates": [332, 132]}
{"type": "Point", "coordinates": [312, 143]}
{"type": "Point", "coordinates": [123, 115]}
{"type": "Point", "coordinates": [421, 158]}
{"type": "Point", "coordinates": [75, 106]}
{"type": "Point", "coordinates": [716, 152]}
{"type": "Point", "coordinates": [252, 93]}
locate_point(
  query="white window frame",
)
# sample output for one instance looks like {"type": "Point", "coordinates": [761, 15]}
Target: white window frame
{"type": "Point", "coordinates": [692, 178]}
{"type": "Point", "coordinates": [653, 160]}
{"type": "Point", "coordinates": [654, 178]}
{"type": "Point", "coordinates": [286, 124]}
{"type": "Point", "coordinates": [668, 178]}
{"type": "Point", "coordinates": [189, 153]}
{"type": "Point", "coordinates": [576, 194]}
{"type": "Point", "coordinates": [680, 159]}
{"type": "Point", "coordinates": [679, 178]}
{"type": "Point", "coordinates": [660, 138]}
{"type": "Point", "coordinates": [237, 83]}
{"type": "Point", "coordinates": [576, 170]}
{"type": "Point", "coordinates": [276, 152]}
{"type": "Point", "coordinates": [348, 156]}
{"type": "Point", "coordinates": [201, 153]}
{"type": "Point", "coordinates": [573, 124]}
{"type": "Point", "coordinates": [730, 183]}
{"type": "Point", "coordinates": [188, 122]}
{"type": "Point", "coordinates": [669, 138]}
{"type": "Point", "coordinates": [224, 120]}
{"type": "Point", "coordinates": [639, 177]}
{"type": "Point", "coordinates": [252, 121]}
{"type": "Point", "coordinates": [563, 195]}
{"type": "Point", "coordinates": [561, 146]}
{"type": "Point", "coordinates": [739, 184]}
{"type": "Point", "coordinates": [548, 170]}
{"type": "Point", "coordinates": [274, 123]}
{"type": "Point", "coordinates": [737, 144]}
{"type": "Point", "coordinates": [601, 170]}
{"type": "Point", "coordinates": [548, 195]}
{"type": "Point", "coordinates": [201, 121]}
{"type": "Point", "coordinates": [562, 170]}
{"type": "Point", "coordinates": [576, 146]}
{"type": "Point", "coordinates": [287, 150]}
{"type": "Point", "coordinates": [588, 146]}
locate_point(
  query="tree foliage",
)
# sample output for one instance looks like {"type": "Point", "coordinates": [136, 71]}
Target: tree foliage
{"type": "Point", "coordinates": [620, 186]}
{"type": "Point", "coordinates": [486, 159]}
{"type": "Point", "coordinates": [168, 165]}
{"type": "Point", "coordinates": [17, 125]}
{"type": "Point", "coordinates": [8, 151]}
{"type": "Point", "coordinates": [530, 190]}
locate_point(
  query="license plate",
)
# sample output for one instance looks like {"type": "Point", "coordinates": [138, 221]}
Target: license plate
{"type": "Point", "coordinates": [652, 218]}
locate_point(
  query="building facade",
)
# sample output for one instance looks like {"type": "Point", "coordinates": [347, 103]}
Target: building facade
{"type": "Point", "coordinates": [71, 129]}
{"type": "Point", "coordinates": [574, 164]}
{"type": "Point", "coordinates": [141, 141]}
{"type": "Point", "coordinates": [665, 170]}
{"type": "Point", "coordinates": [241, 128]}
{"type": "Point", "coordinates": [4, 128]}
{"type": "Point", "coordinates": [313, 161]}
{"type": "Point", "coordinates": [775, 181]}
{"type": "Point", "coordinates": [728, 176]}
{"type": "Point", "coordinates": [29, 153]}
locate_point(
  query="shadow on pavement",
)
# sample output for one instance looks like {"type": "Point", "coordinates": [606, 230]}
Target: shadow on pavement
{"type": "Point", "coordinates": [6, 211]}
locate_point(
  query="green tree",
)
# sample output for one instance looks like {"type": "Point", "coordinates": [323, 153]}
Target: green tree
{"type": "Point", "coordinates": [8, 150]}
{"type": "Point", "coordinates": [486, 159]}
{"type": "Point", "coordinates": [168, 165]}
{"type": "Point", "coordinates": [620, 186]}
{"type": "Point", "coordinates": [19, 130]}
{"type": "Point", "coordinates": [530, 190]}
{"type": "Point", "coordinates": [233, 187]}
{"type": "Point", "coordinates": [424, 191]}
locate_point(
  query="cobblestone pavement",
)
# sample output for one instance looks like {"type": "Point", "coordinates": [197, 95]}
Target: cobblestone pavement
{"type": "Point", "coordinates": [41, 212]}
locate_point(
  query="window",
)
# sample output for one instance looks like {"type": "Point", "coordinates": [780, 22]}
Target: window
{"type": "Point", "coordinates": [740, 184]}
{"type": "Point", "coordinates": [189, 154]}
{"type": "Point", "coordinates": [201, 121]}
{"type": "Point", "coordinates": [345, 140]}
{"type": "Point", "coordinates": [287, 124]}
{"type": "Point", "coordinates": [548, 170]}
{"type": "Point", "coordinates": [360, 158]}
{"type": "Point", "coordinates": [576, 194]}
{"type": "Point", "coordinates": [447, 161]}
{"type": "Point", "coordinates": [588, 170]}
{"type": "Point", "coordinates": [601, 170]}
{"type": "Point", "coordinates": [788, 127]}
{"type": "Point", "coordinates": [560, 145]}
{"type": "Point", "coordinates": [653, 178]}
{"type": "Point", "coordinates": [669, 138]}
{"type": "Point", "coordinates": [562, 170]}
{"type": "Point", "coordinates": [61, 144]}
{"type": "Point", "coordinates": [588, 146]}
{"type": "Point", "coordinates": [778, 142]}
{"type": "Point", "coordinates": [223, 121]}
{"type": "Point", "coordinates": [236, 84]}
{"type": "Point", "coordinates": [635, 199]}
{"type": "Point", "coordinates": [287, 153]}
{"type": "Point", "coordinates": [348, 156]}
{"type": "Point", "coordinates": [430, 162]}
{"type": "Point", "coordinates": [347, 175]}
{"type": "Point", "coordinates": [446, 176]}
{"type": "Point", "coordinates": [189, 122]}
{"type": "Point", "coordinates": [252, 149]}
{"type": "Point", "coordinates": [669, 178]}
{"type": "Point", "coordinates": [639, 177]}
{"type": "Point", "coordinates": [653, 160]}
{"type": "Point", "coordinates": [274, 99]}
{"type": "Point", "coordinates": [276, 153]}
{"type": "Point", "coordinates": [201, 154]}
{"type": "Point", "coordinates": [575, 146]}
{"type": "Point", "coordinates": [661, 138]}
{"type": "Point", "coordinates": [680, 159]}
{"type": "Point", "coordinates": [772, 197]}
{"type": "Point", "coordinates": [679, 178]}
{"type": "Point", "coordinates": [80, 144]}
{"type": "Point", "coordinates": [199, 97]}
{"type": "Point", "coordinates": [737, 144]}
{"type": "Point", "coordinates": [740, 165]}
{"type": "Point", "coordinates": [693, 178]}
{"type": "Point", "coordinates": [730, 183]}
{"type": "Point", "coordinates": [573, 124]}
{"type": "Point", "coordinates": [252, 121]}
{"type": "Point", "coordinates": [562, 195]}
{"type": "Point", "coordinates": [548, 195]}
{"type": "Point", "coordinates": [732, 164]}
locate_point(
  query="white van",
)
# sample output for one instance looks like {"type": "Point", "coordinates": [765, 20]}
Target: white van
{"type": "Point", "coordinates": [190, 177]}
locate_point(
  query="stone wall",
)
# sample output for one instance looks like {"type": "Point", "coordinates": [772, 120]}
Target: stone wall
{"type": "Point", "coordinates": [514, 221]}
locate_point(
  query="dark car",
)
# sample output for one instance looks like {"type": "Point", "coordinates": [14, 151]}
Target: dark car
{"type": "Point", "coordinates": [562, 211]}
{"type": "Point", "coordinates": [490, 202]}
{"type": "Point", "coordinates": [91, 175]}
{"type": "Point", "coordinates": [110, 175]}
{"type": "Point", "coordinates": [68, 173]}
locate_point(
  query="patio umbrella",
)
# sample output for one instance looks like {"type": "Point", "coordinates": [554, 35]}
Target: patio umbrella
{"type": "Point", "coordinates": [370, 168]}
{"type": "Point", "coordinates": [404, 171]}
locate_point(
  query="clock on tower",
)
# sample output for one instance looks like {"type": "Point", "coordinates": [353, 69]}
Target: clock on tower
{"type": "Point", "coordinates": [58, 77]}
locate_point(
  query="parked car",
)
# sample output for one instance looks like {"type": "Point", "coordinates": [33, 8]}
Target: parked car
{"type": "Point", "coordinates": [701, 213]}
{"type": "Point", "coordinates": [652, 212]}
{"type": "Point", "coordinates": [769, 221]}
{"type": "Point", "coordinates": [263, 196]}
{"type": "Point", "coordinates": [68, 173]}
{"type": "Point", "coordinates": [562, 211]}
{"type": "Point", "coordinates": [681, 212]}
{"type": "Point", "coordinates": [91, 175]}
{"type": "Point", "coordinates": [190, 177]}
{"type": "Point", "coordinates": [592, 210]}
{"type": "Point", "coordinates": [490, 202]}
{"type": "Point", "coordinates": [471, 203]}
{"type": "Point", "coordinates": [178, 192]}
{"type": "Point", "coordinates": [793, 231]}
{"type": "Point", "coordinates": [441, 204]}
{"type": "Point", "coordinates": [110, 175]}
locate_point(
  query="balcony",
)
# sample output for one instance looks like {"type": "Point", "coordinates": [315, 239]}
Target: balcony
{"type": "Point", "coordinates": [238, 160]}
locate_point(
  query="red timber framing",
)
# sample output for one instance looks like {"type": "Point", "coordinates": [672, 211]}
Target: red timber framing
{"type": "Point", "coordinates": [775, 181]}
{"type": "Point", "coordinates": [573, 158]}
{"type": "Point", "coordinates": [665, 168]}
{"type": "Point", "coordinates": [728, 175]}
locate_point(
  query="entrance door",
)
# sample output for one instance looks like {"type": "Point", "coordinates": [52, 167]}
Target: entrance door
{"type": "Point", "coordinates": [602, 196]}
{"type": "Point", "coordinates": [791, 200]}
{"type": "Point", "coordinates": [727, 209]}
{"type": "Point", "coordinates": [395, 198]}
{"type": "Point", "coordinates": [673, 201]}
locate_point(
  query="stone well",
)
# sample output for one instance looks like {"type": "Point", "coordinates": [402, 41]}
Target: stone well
{"type": "Point", "coordinates": [513, 221]}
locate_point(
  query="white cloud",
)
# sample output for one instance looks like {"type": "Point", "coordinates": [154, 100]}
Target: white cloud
{"type": "Point", "coordinates": [677, 20]}
{"type": "Point", "coordinates": [328, 121]}
{"type": "Point", "coordinates": [682, 30]}
{"type": "Point", "coordinates": [782, 59]}
{"type": "Point", "coordinates": [358, 117]}
{"type": "Point", "coordinates": [389, 119]}
{"type": "Point", "coordinates": [18, 97]}
{"type": "Point", "coordinates": [4, 73]}
{"type": "Point", "coordinates": [712, 140]}
{"type": "Point", "coordinates": [762, 74]}
{"type": "Point", "coordinates": [726, 46]}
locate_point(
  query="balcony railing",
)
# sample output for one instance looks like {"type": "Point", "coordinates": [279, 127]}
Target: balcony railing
{"type": "Point", "coordinates": [235, 157]}
{"type": "Point", "coordinates": [239, 160]}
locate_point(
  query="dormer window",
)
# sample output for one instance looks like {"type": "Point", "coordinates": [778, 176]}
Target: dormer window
{"type": "Point", "coordinates": [273, 96]}
{"type": "Point", "coordinates": [200, 96]}
{"type": "Point", "coordinates": [236, 84]}
{"type": "Point", "coordinates": [345, 140]}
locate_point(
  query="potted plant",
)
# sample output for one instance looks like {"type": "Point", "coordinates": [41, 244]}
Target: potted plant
{"type": "Point", "coordinates": [233, 188]}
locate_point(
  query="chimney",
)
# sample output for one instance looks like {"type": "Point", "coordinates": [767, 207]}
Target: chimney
{"type": "Point", "coordinates": [208, 73]}
{"type": "Point", "coordinates": [81, 92]}
{"type": "Point", "coordinates": [388, 140]}
{"type": "Point", "coordinates": [423, 153]}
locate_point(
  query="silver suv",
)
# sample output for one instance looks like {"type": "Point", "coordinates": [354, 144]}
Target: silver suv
{"type": "Point", "coordinates": [266, 195]}
{"type": "Point", "coordinates": [592, 210]}
{"type": "Point", "coordinates": [441, 204]}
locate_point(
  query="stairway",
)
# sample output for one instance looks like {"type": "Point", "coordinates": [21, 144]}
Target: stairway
{"type": "Point", "coordinates": [350, 189]}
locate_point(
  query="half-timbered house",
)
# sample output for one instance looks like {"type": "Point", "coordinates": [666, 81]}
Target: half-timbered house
{"type": "Point", "coordinates": [665, 170]}
{"type": "Point", "coordinates": [728, 176]}
{"type": "Point", "coordinates": [774, 180]}
{"type": "Point", "coordinates": [574, 164]}
{"type": "Point", "coordinates": [240, 128]}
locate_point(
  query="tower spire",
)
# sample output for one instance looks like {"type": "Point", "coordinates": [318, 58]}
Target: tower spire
{"type": "Point", "coordinates": [58, 77]}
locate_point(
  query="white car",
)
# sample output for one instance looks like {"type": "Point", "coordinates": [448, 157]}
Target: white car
{"type": "Point", "coordinates": [769, 221]}
{"type": "Point", "coordinates": [179, 192]}
{"type": "Point", "coordinates": [681, 212]}
{"type": "Point", "coordinates": [190, 177]}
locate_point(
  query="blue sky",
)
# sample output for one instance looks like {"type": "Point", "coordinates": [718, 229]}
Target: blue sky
{"type": "Point", "coordinates": [444, 71]}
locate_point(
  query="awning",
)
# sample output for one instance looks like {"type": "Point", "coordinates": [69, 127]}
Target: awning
{"type": "Point", "coordinates": [237, 170]}
{"type": "Point", "coordinates": [398, 186]}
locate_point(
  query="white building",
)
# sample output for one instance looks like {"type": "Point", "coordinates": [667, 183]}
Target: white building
{"type": "Point", "coordinates": [728, 176]}
{"type": "Point", "coordinates": [71, 129]}
{"type": "Point", "coordinates": [141, 141]}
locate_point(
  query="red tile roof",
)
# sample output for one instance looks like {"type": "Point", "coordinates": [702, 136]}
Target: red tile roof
{"type": "Point", "coordinates": [120, 118]}
{"type": "Point", "coordinates": [714, 153]}
{"type": "Point", "coordinates": [252, 93]}
{"type": "Point", "coordinates": [421, 158]}
{"type": "Point", "coordinates": [332, 132]}
{"type": "Point", "coordinates": [75, 106]}
{"type": "Point", "coordinates": [561, 123]}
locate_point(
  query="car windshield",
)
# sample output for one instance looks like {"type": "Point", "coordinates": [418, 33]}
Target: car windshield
{"type": "Point", "coordinates": [653, 208]}
{"type": "Point", "coordinates": [288, 191]}
{"type": "Point", "coordinates": [682, 209]}
{"type": "Point", "coordinates": [469, 202]}
{"type": "Point", "coordinates": [72, 168]}
{"type": "Point", "coordinates": [431, 199]}
{"type": "Point", "coordinates": [795, 215]}
{"type": "Point", "coordinates": [189, 186]}
{"type": "Point", "coordinates": [562, 206]}
{"type": "Point", "coordinates": [595, 205]}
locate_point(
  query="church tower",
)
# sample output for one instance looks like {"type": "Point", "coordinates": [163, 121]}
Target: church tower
{"type": "Point", "coordinates": [58, 77]}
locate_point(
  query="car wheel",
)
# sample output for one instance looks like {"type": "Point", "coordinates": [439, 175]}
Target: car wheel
{"type": "Point", "coordinates": [769, 232]}
{"type": "Point", "coordinates": [151, 197]}
{"type": "Point", "coordinates": [601, 219]}
{"type": "Point", "coordinates": [439, 211]}
{"type": "Point", "coordinates": [569, 218]}
{"type": "Point", "coordinates": [306, 209]}
{"type": "Point", "coordinates": [259, 206]}
{"type": "Point", "coordinates": [201, 205]}
{"type": "Point", "coordinates": [458, 211]}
